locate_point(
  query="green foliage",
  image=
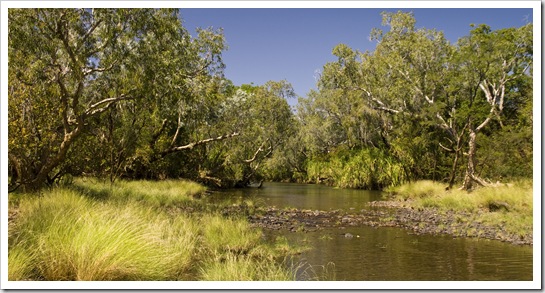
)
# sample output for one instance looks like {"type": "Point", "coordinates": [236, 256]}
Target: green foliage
{"type": "Point", "coordinates": [422, 101]}
{"type": "Point", "coordinates": [366, 168]}
{"type": "Point", "coordinates": [130, 93]}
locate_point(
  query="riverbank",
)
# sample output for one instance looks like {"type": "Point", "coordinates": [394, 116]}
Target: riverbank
{"type": "Point", "coordinates": [139, 230]}
{"type": "Point", "coordinates": [497, 213]}
{"type": "Point", "coordinates": [387, 214]}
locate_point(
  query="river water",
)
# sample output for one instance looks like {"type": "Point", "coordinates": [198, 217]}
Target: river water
{"type": "Point", "coordinates": [382, 254]}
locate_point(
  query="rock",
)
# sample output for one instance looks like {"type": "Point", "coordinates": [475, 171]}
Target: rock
{"type": "Point", "coordinates": [498, 205]}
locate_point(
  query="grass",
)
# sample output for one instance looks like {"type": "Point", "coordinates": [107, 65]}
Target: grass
{"type": "Point", "coordinates": [124, 232]}
{"type": "Point", "coordinates": [516, 198]}
{"type": "Point", "coordinates": [243, 268]}
{"type": "Point", "coordinates": [166, 193]}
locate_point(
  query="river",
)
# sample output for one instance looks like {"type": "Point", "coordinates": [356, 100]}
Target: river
{"type": "Point", "coordinates": [381, 254]}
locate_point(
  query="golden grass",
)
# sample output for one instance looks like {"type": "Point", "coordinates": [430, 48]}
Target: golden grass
{"type": "Point", "coordinates": [126, 233]}
{"type": "Point", "coordinates": [515, 214]}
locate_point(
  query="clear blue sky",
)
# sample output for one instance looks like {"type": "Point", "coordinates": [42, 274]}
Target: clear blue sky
{"type": "Point", "coordinates": [292, 44]}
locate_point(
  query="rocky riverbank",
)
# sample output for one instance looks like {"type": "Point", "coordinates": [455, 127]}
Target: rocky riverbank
{"type": "Point", "coordinates": [385, 214]}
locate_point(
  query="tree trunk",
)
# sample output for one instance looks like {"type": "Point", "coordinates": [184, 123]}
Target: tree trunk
{"type": "Point", "coordinates": [470, 176]}
{"type": "Point", "coordinates": [453, 172]}
{"type": "Point", "coordinates": [470, 171]}
{"type": "Point", "coordinates": [33, 180]}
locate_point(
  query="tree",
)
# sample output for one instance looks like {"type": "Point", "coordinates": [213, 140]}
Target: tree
{"type": "Point", "coordinates": [262, 116]}
{"type": "Point", "coordinates": [137, 62]}
{"type": "Point", "coordinates": [490, 62]}
{"type": "Point", "coordinates": [422, 100]}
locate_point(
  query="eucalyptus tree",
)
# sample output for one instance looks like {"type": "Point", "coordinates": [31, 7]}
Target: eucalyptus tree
{"type": "Point", "coordinates": [139, 65]}
{"type": "Point", "coordinates": [392, 98]}
{"type": "Point", "coordinates": [491, 64]}
{"type": "Point", "coordinates": [263, 119]}
{"type": "Point", "coordinates": [411, 79]}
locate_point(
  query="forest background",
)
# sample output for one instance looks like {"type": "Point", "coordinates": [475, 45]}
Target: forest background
{"type": "Point", "coordinates": [132, 94]}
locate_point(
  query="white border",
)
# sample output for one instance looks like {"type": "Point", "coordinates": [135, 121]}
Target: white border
{"type": "Point", "coordinates": [535, 284]}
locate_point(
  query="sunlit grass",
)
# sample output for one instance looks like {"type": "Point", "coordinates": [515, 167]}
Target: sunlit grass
{"type": "Point", "coordinates": [228, 235]}
{"type": "Point", "coordinates": [243, 268]}
{"type": "Point", "coordinates": [166, 193]}
{"type": "Point", "coordinates": [508, 205]}
{"type": "Point", "coordinates": [20, 263]}
{"type": "Point", "coordinates": [418, 189]}
{"type": "Point", "coordinates": [74, 238]}
{"type": "Point", "coordinates": [122, 231]}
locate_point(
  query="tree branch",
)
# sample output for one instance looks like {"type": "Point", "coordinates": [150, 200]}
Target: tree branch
{"type": "Point", "coordinates": [94, 109]}
{"type": "Point", "coordinates": [259, 150]}
{"type": "Point", "coordinates": [194, 144]}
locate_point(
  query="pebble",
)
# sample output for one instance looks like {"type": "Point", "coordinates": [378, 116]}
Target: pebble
{"type": "Point", "coordinates": [419, 221]}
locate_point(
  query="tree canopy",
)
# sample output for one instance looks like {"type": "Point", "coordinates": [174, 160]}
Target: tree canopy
{"type": "Point", "coordinates": [131, 93]}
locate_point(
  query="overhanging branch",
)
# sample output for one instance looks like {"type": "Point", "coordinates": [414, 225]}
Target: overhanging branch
{"type": "Point", "coordinates": [194, 144]}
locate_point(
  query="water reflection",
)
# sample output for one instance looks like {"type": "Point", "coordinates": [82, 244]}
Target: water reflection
{"type": "Point", "coordinates": [303, 196]}
{"type": "Point", "coordinates": [392, 254]}
{"type": "Point", "coordinates": [383, 254]}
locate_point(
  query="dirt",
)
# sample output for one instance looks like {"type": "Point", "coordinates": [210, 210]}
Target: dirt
{"type": "Point", "coordinates": [385, 214]}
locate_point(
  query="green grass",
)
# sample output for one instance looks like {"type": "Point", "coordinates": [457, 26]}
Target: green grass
{"type": "Point", "coordinates": [243, 268]}
{"type": "Point", "coordinates": [418, 189]}
{"type": "Point", "coordinates": [20, 263]}
{"type": "Point", "coordinates": [73, 234]}
{"type": "Point", "coordinates": [166, 193]}
{"type": "Point", "coordinates": [228, 235]}
{"type": "Point", "coordinates": [517, 197]}
{"type": "Point", "coordinates": [74, 238]}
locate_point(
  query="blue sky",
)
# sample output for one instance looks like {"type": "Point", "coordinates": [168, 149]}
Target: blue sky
{"type": "Point", "coordinates": [293, 44]}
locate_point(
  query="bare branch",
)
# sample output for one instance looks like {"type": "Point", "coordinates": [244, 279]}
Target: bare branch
{"type": "Point", "coordinates": [204, 141]}
{"type": "Point", "coordinates": [387, 110]}
{"type": "Point", "coordinates": [94, 109]}
{"type": "Point", "coordinates": [446, 149]}
{"type": "Point", "coordinates": [89, 70]}
{"type": "Point", "coordinates": [177, 130]}
{"type": "Point", "coordinates": [259, 150]}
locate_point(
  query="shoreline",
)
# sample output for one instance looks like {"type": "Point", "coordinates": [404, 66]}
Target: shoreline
{"type": "Point", "coordinates": [386, 214]}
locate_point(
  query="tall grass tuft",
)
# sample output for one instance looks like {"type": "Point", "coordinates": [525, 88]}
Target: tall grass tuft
{"type": "Point", "coordinates": [418, 189]}
{"type": "Point", "coordinates": [20, 264]}
{"type": "Point", "coordinates": [243, 268]}
{"type": "Point", "coordinates": [126, 231]}
{"type": "Point", "coordinates": [72, 238]}
{"type": "Point", "coordinates": [228, 235]}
